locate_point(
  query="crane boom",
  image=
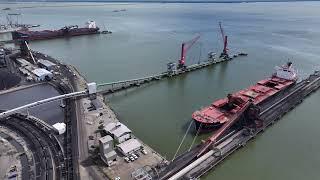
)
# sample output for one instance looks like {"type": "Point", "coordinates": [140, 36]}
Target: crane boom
{"type": "Point", "coordinates": [224, 39]}
{"type": "Point", "coordinates": [222, 32]}
{"type": "Point", "coordinates": [184, 49]}
{"type": "Point", "coordinates": [211, 140]}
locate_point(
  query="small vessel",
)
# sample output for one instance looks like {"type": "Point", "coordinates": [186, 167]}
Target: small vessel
{"type": "Point", "coordinates": [224, 110]}
{"type": "Point", "coordinates": [243, 54]}
{"type": "Point", "coordinates": [106, 32]}
{"type": "Point", "coordinates": [67, 31]}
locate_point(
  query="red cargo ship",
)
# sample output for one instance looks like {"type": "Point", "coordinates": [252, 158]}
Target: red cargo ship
{"type": "Point", "coordinates": [224, 110]}
{"type": "Point", "coordinates": [90, 28]}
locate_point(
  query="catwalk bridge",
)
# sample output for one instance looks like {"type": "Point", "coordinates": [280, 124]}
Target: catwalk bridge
{"type": "Point", "coordinates": [111, 87]}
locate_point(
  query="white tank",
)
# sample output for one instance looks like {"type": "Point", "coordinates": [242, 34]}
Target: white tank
{"type": "Point", "coordinates": [286, 72]}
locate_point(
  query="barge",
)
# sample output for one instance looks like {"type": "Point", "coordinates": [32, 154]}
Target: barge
{"type": "Point", "coordinates": [67, 31]}
{"type": "Point", "coordinates": [223, 110]}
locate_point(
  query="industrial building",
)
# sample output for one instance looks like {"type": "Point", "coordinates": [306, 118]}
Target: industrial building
{"type": "Point", "coordinates": [111, 126]}
{"type": "Point", "coordinates": [107, 153]}
{"type": "Point", "coordinates": [129, 146]}
{"type": "Point", "coordinates": [48, 65]}
{"type": "Point", "coordinates": [118, 131]}
{"type": "Point", "coordinates": [42, 74]}
{"type": "Point", "coordinates": [22, 62]}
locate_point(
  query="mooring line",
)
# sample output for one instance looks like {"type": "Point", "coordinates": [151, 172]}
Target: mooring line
{"type": "Point", "coordinates": [185, 135]}
{"type": "Point", "coordinates": [194, 139]}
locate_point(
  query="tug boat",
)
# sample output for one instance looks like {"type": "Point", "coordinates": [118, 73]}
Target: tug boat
{"type": "Point", "coordinates": [224, 110]}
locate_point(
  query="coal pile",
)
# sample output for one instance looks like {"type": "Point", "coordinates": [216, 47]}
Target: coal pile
{"type": "Point", "coordinates": [8, 79]}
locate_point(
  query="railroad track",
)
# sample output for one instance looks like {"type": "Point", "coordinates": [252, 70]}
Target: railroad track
{"type": "Point", "coordinates": [48, 157]}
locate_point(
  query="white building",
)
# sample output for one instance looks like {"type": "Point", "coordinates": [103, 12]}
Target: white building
{"type": "Point", "coordinates": [48, 65]}
{"type": "Point", "coordinates": [60, 127]}
{"type": "Point", "coordinates": [23, 62]}
{"type": "Point", "coordinates": [111, 126]}
{"type": "Point", "coordinates": [121, 133]}
{"type": "Point", "coordinates": [42, 74]}
{"type": "Point", "coordinates": [129, 146]}
{"type": "Point", "coordinates": [107, 153]}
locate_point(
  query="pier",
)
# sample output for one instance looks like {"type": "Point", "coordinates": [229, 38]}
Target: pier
{"type": "Point", "coordinates": [112, 87]}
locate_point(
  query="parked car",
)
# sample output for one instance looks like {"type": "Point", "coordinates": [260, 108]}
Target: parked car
{"type": "Point", "coordinates": [131, 158]}
{"type": "Point", "coordinates": [144, 151]}
{"type": "Point", "coordinates": [137, 154]}
{"type": "Point", "coordinates": [127, 159]}
{"type": "Point", "coordinates": [134, 156]}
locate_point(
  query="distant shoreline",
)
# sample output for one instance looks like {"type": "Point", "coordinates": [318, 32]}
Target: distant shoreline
{"type": "Point", "coordinates": [157, 1]}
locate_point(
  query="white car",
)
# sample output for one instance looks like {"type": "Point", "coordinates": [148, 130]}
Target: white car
{"type": "Point", "coordinates": [117, 178]}
{"type": "Point", "coordinates": [131, 158]}
{"type": "Point", "coordinates": [127, 159]}
{"type": "Point", "coordinates": [134, 156]}
{"type": "Point", "coordinates": [144, 151]}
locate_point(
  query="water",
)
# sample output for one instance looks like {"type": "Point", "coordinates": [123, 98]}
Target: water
{"type": "Point", "coordinates": [51, 113]}
{"type": "Point", "coordinates": [147, 36]}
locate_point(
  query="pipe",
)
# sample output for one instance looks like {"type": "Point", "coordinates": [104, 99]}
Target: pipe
{"type": "Point", "coordinates": [223, 143]}
{"type": "Point", "coordinates": [191, 166]}
{"type": "Point", "coordinates": [37, 103]}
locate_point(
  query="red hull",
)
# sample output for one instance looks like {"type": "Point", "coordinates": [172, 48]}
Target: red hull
{"type": "Point", "coordinates": [223, 110]}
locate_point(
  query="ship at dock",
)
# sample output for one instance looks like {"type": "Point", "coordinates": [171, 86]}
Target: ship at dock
{"type": "Point", "coordinates": [67, 31]}
{"type": "Point", "coordinates": [223, 110]}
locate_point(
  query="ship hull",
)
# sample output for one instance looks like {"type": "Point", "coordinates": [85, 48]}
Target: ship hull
{"type": "Point", "coordinates": [209, 127]}
{"type": "Point", "coordinates": [43, 35]}
{"type": "Point", "coordinates": [206, 127]}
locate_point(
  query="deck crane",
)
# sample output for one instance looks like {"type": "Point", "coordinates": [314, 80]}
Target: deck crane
{"type": "Point", "coordinates": [184, 49]}
{"type": "Point", "coordinates": [225, 42]}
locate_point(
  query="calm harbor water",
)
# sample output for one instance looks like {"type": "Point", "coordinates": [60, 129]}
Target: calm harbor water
{"type": "Point", "coordinates": [147, 36]}
{"type": "Point", "coordinates": [51, 113]}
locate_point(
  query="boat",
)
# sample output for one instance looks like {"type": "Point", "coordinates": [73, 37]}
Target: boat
{"type": "Point", "coordinates": [223, 110]}
{"type": "Point", "coordinates": [243, 54]}
{"type": "Point", "coordinates": [67, 31]}
{"type": "Point", "coordinates": [106, 32]}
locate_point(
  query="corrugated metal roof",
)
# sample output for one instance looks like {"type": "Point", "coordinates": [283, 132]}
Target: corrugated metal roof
{"type": "Point", "coordinates": [46, 63]}
{"type": "Point", "coordinates": [41, 72]}
{"type": "Point", "coordinates": [129, 145]}
{"type": "Point", "coordinates": [110, 126]}
{"type": "Point", "coordinates": [23, 62]}
{"type": "Point", "coordinates": [97, 103]}
{"type": "Point", "coordinates": [120, 131]}
{"type": "Point", "coordinates": [105, 139]}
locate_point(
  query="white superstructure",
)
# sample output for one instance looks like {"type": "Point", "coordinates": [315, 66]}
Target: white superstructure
{"type": "Point", "coordinates": [91, 24]}
{"type": "Point", "coordinates": [286, 72]}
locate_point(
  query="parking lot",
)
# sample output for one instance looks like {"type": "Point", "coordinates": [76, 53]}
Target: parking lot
{"type": "Point", "coordinates": [123, 168]}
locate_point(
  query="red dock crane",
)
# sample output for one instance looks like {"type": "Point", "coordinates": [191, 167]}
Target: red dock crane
{"type": "Point", "coordinates": [225, 41]}
{"type": "Point", "coordinates": [184, 49]}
